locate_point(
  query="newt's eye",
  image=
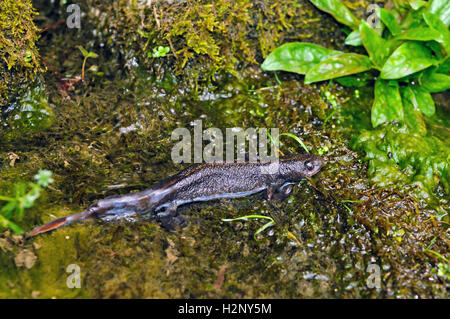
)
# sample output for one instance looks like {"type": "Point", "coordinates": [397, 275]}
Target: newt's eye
{"type": "Point", "coordinates": [309, 166]}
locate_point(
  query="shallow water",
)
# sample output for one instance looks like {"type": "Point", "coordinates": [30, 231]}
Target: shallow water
{"type": "Point", "coordinates": [113, 137]}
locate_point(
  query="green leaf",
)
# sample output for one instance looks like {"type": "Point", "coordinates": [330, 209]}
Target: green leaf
{"type": "Point", "coordinates": [354, 39]}
{"type": "Point", "coordinates": [337, 66]}
{"type": "Point", "coordinates": [437, 49]}
{"type": "Point", "coordinates": [387, 105]}
{"type": "Point", "coordinates": [374, 44]}
{"type": "Point", "coordinates": [299, 141]}
{"type": "Point", "coordinates": [408, 17]}
{"type": "Point", "coordinates": [83, 51]}
{"type": "Point", "coordinates": [9, 209]}
{"type": "Point", "coordinates": [422, 100]}
{"type": "Point", "coordinates": [408, 58]}
{"type": "Point", "coordinates": [417, 4]}
{"type": "Point", "coordinates": [339, 11]}
{"type": "Point", "coordinates": [443, 35]}
{"type": "Point", "coordinates": [296, 57]}
{"type": "Point", "coordinates": [435, 82]}
{"type": "Point", "coordinates": [420, 33]}
{"type": "Point", "coordinates": [92, 55]}
{"type": "Point", "coordinates": [9, 224]}
{"type": "Point", "coordinates": [413, 117]}
{"type": "Point", "coordinates": [442, 9]}
{"type": "Point", "coordinates": [6, 198]}
{"type": "Point", "coordinates": [444, 67]}
{"type": "Point", "coordinates": [389, 21]}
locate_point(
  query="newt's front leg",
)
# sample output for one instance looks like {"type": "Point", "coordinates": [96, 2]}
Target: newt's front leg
{"type": "Point", "coordinates": [279, 193]}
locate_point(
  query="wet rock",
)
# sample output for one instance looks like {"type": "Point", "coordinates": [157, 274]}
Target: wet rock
{"type": "Point", "coordinates": [5, 245]}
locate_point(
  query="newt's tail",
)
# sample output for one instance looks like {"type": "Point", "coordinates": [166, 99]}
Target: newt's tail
{"type": "Point", "coordinates": [63, 221]}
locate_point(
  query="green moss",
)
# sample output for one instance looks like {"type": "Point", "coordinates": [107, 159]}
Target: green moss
{"type": "Point", "coordinates": [398, 156]}
{"type": "Point", "coordinates": [92, 158]}
{"type": "Point", "coordinates": [220, 30]}
{"type": "Point", "coordinates": [19, 59]}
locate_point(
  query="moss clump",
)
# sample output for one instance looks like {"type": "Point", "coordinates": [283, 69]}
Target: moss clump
{"type": "Point", "coordinates": [398, 156]}
{"type": "Point", "coordinates": [18, 52]}
{"type": "Point", "coordinates": [205, 37]}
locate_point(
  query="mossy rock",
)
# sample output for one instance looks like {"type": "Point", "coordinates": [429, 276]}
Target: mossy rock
{"type": "Point", "coordinates": [206, 39]}
{"type": "Point", "coordinates": [19, 58]}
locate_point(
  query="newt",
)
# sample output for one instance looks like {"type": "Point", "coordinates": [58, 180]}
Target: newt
{"type": "Point", "coordinates": [197, 183]}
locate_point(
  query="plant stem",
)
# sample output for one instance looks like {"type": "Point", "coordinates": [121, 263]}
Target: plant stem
{"type": "Point", "coordinates": [82, 69]}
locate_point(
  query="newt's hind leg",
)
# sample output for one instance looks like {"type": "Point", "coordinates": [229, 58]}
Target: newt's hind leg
{"type": "Point", "coordinates": [170, 224]}
{"type": "Point", "coordinates": [170, 218]}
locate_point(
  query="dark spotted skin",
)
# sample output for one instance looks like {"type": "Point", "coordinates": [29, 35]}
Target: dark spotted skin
{"type": "Point", "coordinates": [200, 182]}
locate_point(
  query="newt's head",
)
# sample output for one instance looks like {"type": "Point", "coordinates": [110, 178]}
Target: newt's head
{"type": "Point", "coordinates": [296, 167]}
{"type": "Point", "coordinates": [312, 165]}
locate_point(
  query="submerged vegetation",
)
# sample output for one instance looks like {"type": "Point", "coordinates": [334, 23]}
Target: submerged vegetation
{"type": "Point", "coordinates": [19, 57]}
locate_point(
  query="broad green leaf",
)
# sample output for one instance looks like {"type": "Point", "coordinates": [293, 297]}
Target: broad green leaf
{"type": "Point", "coordinates": [435, 82]}
{"type": "Point", "coordinates": [374, 44]}
{"type": "Point", "coordinates": [357, 80]}
{"type": "Point", "coordinates": [247, 217]}
{"type": "Point", "coordinates": [436, 48]}
{"type": "Point", "coordinates": [422, 100]}
{"type": "Point", "coordinates": [417, 4]}
{"type": "Point", "coordinates": [443, 34]}
{"type": "Point", "coordinates": [412, 19]}
{"type": "Point", "coordinates": [413, 118]}
{"type": "Point", "coordinates": [420, 33]}
{"type": "Point", "coordinates": [339, 11]}
{"type": "Point", "coordinates": [299, 141]}
{"type": "Point", "coordinates": [337, 66]}
{"type": "Point", "coordinates": [296, 57]}
{"type": "Point", "coordinates": [354, 39]}
{"type": "Point", "coordinates": [262, 228]}
{"type": "Point", "coordinates": [444, 67]}
{"type": "Point", "coordinates": [408, 58]}
{"type": "Point", "coordinates": [442, 9]}
{"type": "Point", "coordinates": [387, 105]}
{"type": "Point", "coordinates": [393, 44]}
{"type": "Point", "coordinates": [389, 21]}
